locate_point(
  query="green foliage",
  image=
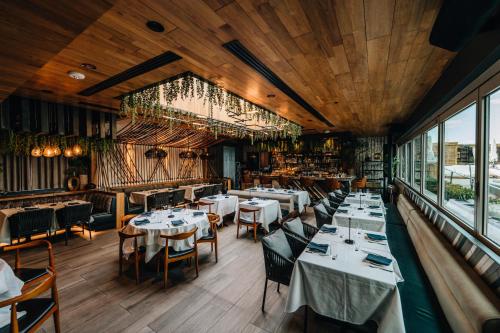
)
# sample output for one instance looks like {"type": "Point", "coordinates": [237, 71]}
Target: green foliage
{"type": "Point", "coordinates": [452, 191]}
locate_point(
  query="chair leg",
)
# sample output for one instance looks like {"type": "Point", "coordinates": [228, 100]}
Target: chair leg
{"type": "Point", "coordinates": [305, 319]}
{"type": "Point", "coordinates": [216, 251]}
{"type": "Point", "coordinates": [57, 322]}
{"type": "Point", "coordinates": [120, 266]}
{"type": "Point", "coordinates": [137, 271]}
{"type": "Point", "coordinates": [196, 263]}
{"type": "Point", "coordinates": [264, 297]}
{"type": "Point", "coordinates": [255, 233]}
{"type": "Point", "coordinates": [238, 230]}
{"type": "Point", "coordinates": [278, 289]}
{"type": "Point", "coordinates": [90, 232]}
{"type": "Point", "coordinates": [165, 274]}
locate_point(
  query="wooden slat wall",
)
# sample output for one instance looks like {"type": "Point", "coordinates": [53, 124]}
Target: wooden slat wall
{"type": "Point", "coordinates": [26, 173]}
{"type": "Point", "coordinates": [127, 165]}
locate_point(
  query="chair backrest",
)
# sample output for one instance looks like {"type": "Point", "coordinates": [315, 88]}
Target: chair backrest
{"type": "Point", "coordinates": [248, 210]}
{"type": "Point", "coordinates": [178, 197]}
{"type": "Point", "coordinates": [217, 189]}
{"type": "Point", "coordinates": [159, 200]}
{"type": "Point", "coordinates": [181, 236]}
{"type": "Point", "coordinates": [31, 222]}
{"type": "Point", "coordinates": [199, 193]}
{"type": "Point", "coordinates": [322, 217]}
{"type": "Point", "coordinates": [278, 268]}
{"type": "Point", "coordinates": [73, 214]}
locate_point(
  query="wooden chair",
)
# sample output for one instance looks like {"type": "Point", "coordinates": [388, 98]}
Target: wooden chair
{"type": "Point", "coordinates": [253, 224]}
{"type": "Point", "coordinates": [202, 204]}
{"type": "Point", "coordinates": [136, 258]}
{"type": "Point", "coordinates": [359, 184]}
{"type": "Point", "coordinates": [212, 234]}
{"type": "Point", "coordinates": [31, 275]}
{"type": "Point", "coordinates": [38, 310]}
{"type": "Point", "coordinates": [126, 219]}
{"type": "Point", "coordinates": [170, 255]}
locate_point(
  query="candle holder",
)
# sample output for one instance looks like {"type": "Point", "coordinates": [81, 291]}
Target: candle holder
{"type": "Point", "coordinates": [360, 208]}
{"type": "Point", "coordinates": [349, 240]}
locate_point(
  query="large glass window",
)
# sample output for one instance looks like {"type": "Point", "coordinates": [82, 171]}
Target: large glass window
{"type": "Point", "coordinates": [408, 162]}
{"type": "Point", "coordinates": [403, 162]}
{"type": "Point", "coordinates": [417, 158]}
{"type": "Point", "coordinates": [493, 172]}
{"type": "Point", "coordinates": [431, 157]}
{"type": "Point", "coordinates": [459, 161]}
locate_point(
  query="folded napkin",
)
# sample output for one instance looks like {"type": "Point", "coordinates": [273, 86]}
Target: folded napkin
{"type": "Point", "coordinates": [253, 203]}
{"type": "Point", "coordinates": [170, 216]}
{"type": "Point", "coordinates": [176, 223]}
{"type": "Point", "coordinates": [147, 214]}
{"type": "Point", "coordinates": [317, 247]}
{"type": "Point", "coordinates": [212, 197]}
{"type": "Point", "coordinates": [375, 237]}
{"type": "Point", "coordinates": [376, 214]}
{"type": "Point", "coordinates": [351, 195]}
{"type": "Point", "coordinates": [329, 230]}
{"type": "Point", "coordinates": [290, 192]}
{"type": "Point", "coordinates": [344, 205]}
{"type": "Point", "coordinates": [270, 190]}
{"type": "Point", "coordinates": [342, 211]}
{"type": "Point", "coordinates": [374, 207]}
{"type": "Point", "coordinates": [141, 222]}
{"type": "Point", "coordinates": [378, 259]}
{"type": "Point", "coordinates": [175, 210]}
{"type": "Point", "coordinates": [227, 196]}
{"type": "Point", "coordinates": [198, 213]}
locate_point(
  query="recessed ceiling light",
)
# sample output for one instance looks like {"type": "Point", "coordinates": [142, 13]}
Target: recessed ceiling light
{"type": "Point", "coordinates": [326, 131]}
{"type": "Point", "coordinates": [155, 26]}
{"type": "Point", "coordinates": [88, 66]}
{"type": "Point", "coordinates": [271, 96]}
{"type": "Point", "coordinates": [76, 75]}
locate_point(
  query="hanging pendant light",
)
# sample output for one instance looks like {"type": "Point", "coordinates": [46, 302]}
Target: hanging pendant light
{"type": "Point", "coordinates": [48, 152]}
{"type": "Point", "coordinates": [57, 151]}
{"type": "Point", "coordinates": [77, 150]}
{"type": "Point", "coordinates": [36, 151]}
{"type": "Point", "coordinates": [68, 152]}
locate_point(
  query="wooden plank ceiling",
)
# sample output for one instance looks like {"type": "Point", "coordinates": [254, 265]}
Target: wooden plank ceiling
{"type": "Point", "coordinates": [363, 64]}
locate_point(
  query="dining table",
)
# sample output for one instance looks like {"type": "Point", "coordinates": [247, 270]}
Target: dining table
{"type": "Point", "coordinates": [366, 217]}
{"type": "Point", "coordinates": [165, 222]}
{"type": "Point", "coordinates": [344, 282]}
{"type": "Point", "coordinates": [141, 197]}
{"type": "Point", "coordinates": [222, 205]}
{"type": "Point", "coordinates": [364, 198]}
{"type": "Point", "coordinates": [8, 212]}
{"type": "Point", "coordinates": [301, 198]}
{"type": "Point", "coordinates": [268, 212]}
{"type": "Point", "coordinates": [190, 189]}
{"type": "Point", "coordinates": [10, 286]}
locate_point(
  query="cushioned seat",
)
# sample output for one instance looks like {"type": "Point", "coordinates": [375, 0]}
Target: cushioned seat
{"type": "Point", "coordinates": [29, 274]}
{"type": "Point", "coordinates": [35, 309]}
{"type": "Point", "coordinates": [210, 235]}
{"type": "Point", "coordinates": [174, 254]}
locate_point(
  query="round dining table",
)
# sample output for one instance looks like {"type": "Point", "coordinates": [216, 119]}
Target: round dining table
{"type": "Point", "coordinates": [165, 222]}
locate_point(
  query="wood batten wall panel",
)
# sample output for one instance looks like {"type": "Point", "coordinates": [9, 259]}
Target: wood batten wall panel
{"type": "Point", "coordinates": [126, 165]}
{"type": "Point", "coordinates": [26, 173]}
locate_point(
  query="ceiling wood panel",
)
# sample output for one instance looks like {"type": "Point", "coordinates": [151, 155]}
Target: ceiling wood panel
{"type": "Point", "coordinates": [363, 64]}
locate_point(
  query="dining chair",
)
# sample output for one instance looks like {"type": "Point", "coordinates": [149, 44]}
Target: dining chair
{"type": "Point", "coordinates": [136, 258]}
{"type": "Point", "coordinates": [217, 189]}
{"type": "Point", "coordinates": [211, 238]}
{"type": "Point", "coordinates": [278, 267]}
{"type": "Point", "coordinates": [309, 231]}
{"type": "Point", "coordinates": [321, 215]}
{"type": "Point", "coordinates": [202, 205]}
{"type": "Point", "coordinates": [198, 194]}
{"type": "Point", "coordinates": [78, 215]}
{"type": "Point", "coordinates": [30, 275]}
{"type": "Point", "coordinates": [170, 255]}
{"type": "Point", "coordinates": [178, 198]}
{"type": "Point", "coordinates": [159, 200]}
{"type": "Point", "coordinates": [38, 309]}
{"type": "Point", "coordinates": [247, 223]}
{"type": "Point", "coordinates": [30, 222]}
{"type": "Point", "coordinates": [126, 219]}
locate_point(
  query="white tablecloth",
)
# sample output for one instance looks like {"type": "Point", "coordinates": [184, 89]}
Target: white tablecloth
{"type": "Point", "coordinates": [8, 212]}
{"type": "Point", "coordinates": [10, 286]}
{"type": "Point", "coordinates": [140, 197]}
{"type": "Point", "coordinates": [360, 218]}
{"type": "Point", "coordinates": [222, 205]}
{"type": "Point", "coordinates": [189, 194]}
{"type": "Point", "coordinates": [301, 198]}
{"type": "Point", "coordinates": [160, 224]}
{"type": "Point", "coordinates": [269, 211]}
{"type": "Point", "coordinates": [347, 288]}
{"type": "Point", "coordinates": [366, 198]}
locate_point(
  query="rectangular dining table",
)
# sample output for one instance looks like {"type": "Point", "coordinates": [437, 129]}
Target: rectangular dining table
{"type": "Point", "coordinates": [342, 285]}
{"type": "Point", "coordinates": [269, 211]}
{"type": "Point", "coordinates": [301, 198]}
{"type": "Point", "coordinates": [141, 197]}
{"type": "Point", "coordinates": [364, 198]}
{"type": "Point", "coordinates": [189, 194]}
{"type": "Point", "coordinates": [369, 217]}
{"type": "Point", "coordinates": [223, 204]}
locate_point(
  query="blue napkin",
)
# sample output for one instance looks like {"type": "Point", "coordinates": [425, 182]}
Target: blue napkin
{"type": "Point", "coordinates": [171, 216]}
{"type": "Point", "coordinates": [374, 207]}
{"type": "Point", "coordinates": [375, 237]}
{"type": "Point", "coordinates": [344, 205]}
{"type": "Point", "coordinates": [376, 214]}
{"type": "Point", "coordinates": [253, 203]}
{"type": "Point", "coordinates": [176, 210]}
{"type": "Point", "coordinates": [176, 223]}
{"type": "Point", "coordinates": [351, 195]}
{"type": "Point", "coordinates": [198, 213]}
{"type": "Point", "coordinates": [328, 230]}
{"type": "Point", "coordinates": [270, 190]}
{"type": "Point", "coordinates": [378, 259]}
{"type": "Point", "coordinates": [227, 196]}
{"type": "Point", "coordinates": [141, 222]}
{"type": "Point", "coordinates": [316, 247]}
{"type": "Point", "coordinates": [212, 197]}
{"type": "Point", "coordinates": [342, 211]}
{"type": "Point", "coordinates": [147, 214]}
{"type": "Point", "coordinates": [289, 192]}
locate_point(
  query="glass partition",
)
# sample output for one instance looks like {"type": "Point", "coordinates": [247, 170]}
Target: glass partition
{"type": "Point", "coordinates": [493, 171]}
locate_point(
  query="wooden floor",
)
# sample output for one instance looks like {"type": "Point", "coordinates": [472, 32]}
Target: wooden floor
{"type": "Point", "coordinates": [226, 297]}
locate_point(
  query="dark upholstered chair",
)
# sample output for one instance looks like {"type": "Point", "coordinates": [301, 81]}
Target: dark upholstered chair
{"type": "Point", "coordinates": [30, 222]}
{"type": "Point", "coordinates": [136, 258]}
{"type": "Point", "coordinates": [103, 209]}
{"type": "Point", "coordinates": [75, 215]}
{"type": "Point", "coordinates": [217, 189]}
{"type": "Point", "coordinates": [178, 197]}
{"type": "Point", "coordinates": [170, 255]}
{"type": "Point", "coordinates": [159, 200]}
{"type": "Point", "coordinates": [212, 234]}
{"type": "Point", "coordinates": [322, 217]}
{"type": "Point", "coordinates": [199, 193]}
{"type": "Point", "coordinates": [278, 268]}
{"type": "Point", "coordinates": [38, 309]}
{"type": "Point", "coordinates": [309, 231]}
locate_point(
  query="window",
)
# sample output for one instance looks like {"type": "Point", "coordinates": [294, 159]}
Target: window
{"type": "Point", "coordinates": [459, 164]}
{"type": "Point", "coordinates": [408, 162]}
{"type": "Point", "coordinates": [431, 158]}
{"type": "Point", "coordinates": [417, 158]}
{"type": "Point", "coordinates": [403, 162]}
{"type": "Point", "coordinates": [493, 171]}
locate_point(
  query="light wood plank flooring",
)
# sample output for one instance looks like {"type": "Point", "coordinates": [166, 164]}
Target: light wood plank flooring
{"type": "Point", "coordinates": [226, 297]}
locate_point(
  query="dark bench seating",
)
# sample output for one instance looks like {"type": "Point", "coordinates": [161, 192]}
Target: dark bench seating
{"type": "Point", "coordinates": [104, 209]}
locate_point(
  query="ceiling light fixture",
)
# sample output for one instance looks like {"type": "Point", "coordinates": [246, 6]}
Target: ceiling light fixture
{"type": "Point", "coordinates": [88, 66]}
{"type": "Point", "coordinates": [155, 26]}
{"type": "Point", "coordinates": [76, 75]}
